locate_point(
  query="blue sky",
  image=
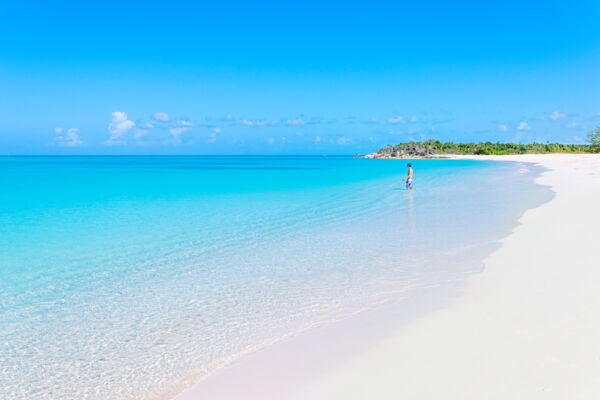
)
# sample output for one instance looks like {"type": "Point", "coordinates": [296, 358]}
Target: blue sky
{"type": "Point", "coordinates": [182, 77]}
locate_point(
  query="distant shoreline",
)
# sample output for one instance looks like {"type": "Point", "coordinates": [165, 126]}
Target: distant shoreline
{"type": "Point", "coordinates": [435, 149]}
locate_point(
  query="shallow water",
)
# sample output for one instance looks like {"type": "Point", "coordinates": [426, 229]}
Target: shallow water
{"type": "Point", "coordinates": [122, 277]}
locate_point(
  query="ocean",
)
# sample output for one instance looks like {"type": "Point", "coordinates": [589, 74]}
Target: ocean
{"type": "Point", "coordinates": [126, 277]}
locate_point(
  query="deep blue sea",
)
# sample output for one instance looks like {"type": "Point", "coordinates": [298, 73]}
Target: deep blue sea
{"type": "Point", "coordinates": [122, 277]}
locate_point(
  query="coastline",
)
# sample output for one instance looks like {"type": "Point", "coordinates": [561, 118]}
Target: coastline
{"type": "Point", "coordinates": [526, 327]}
{"type": "Point", "coordinates": [366, 362]}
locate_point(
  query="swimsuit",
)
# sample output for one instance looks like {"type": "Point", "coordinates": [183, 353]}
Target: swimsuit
{"type": "Point", "coordinates": [409, 183]}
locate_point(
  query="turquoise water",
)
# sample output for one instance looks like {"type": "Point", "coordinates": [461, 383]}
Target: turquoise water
{"type": "Point", "coordinates": [125, 277]}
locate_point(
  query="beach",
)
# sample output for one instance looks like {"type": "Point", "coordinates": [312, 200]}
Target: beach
{"type": "Point", "coordinates": [217, 201]}
{"type": "Point", "coordinates": [524, 328]}
{"type": "Point", "coordinates": [109, 289]}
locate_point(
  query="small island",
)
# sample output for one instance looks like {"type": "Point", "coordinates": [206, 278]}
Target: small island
{"type": "Point", "coordinates": [435, 149]}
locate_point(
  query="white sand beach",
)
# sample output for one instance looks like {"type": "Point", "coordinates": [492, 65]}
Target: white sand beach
{"type": "Point", "coordinates": [528, 327]}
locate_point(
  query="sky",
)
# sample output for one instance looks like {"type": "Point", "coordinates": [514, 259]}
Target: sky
{"type": "Point", "coordinates": [310, 77]}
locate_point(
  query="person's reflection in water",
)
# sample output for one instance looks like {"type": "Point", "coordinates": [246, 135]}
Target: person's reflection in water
{"type": "Point", "coordinates": [409, 210]}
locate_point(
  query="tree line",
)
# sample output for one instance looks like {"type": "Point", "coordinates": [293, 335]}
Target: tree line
{"type": "Point", "coordinates": [433, 147]}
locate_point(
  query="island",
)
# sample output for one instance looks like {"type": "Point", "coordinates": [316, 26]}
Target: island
{"type": "Point", "coordinates": [435, 149]}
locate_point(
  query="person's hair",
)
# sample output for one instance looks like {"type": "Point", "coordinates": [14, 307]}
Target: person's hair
{"type": "Point", "coordinates": [408, 165]}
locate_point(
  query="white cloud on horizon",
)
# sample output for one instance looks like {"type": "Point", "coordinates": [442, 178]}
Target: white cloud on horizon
{"type": "Point", "coordinates": [396, 120]}
{"type": "Point", "coordinates": [177, 133]}
{"type": "Point", "coordinates": [556, 115]}
{"type": "Point", "coordinates": [161, 116]}
{"type": "Point", "coordinates": [502, 128]}
{"type": "Point", "coordinates": [212, 137]}
{"type": "Point", "coordinates": [184, 122]}
{"type": "Point", "coordinates": [295, 122]}
{"type": "Point", "coordinates": [179, 128]}
{"type": "Point", "coordinates": [140, 133]}
{"type": "Point", "coordinates": [69, 139]}
{"type": "Point", "coordinates": [119, 126]}
{"type": "Point", "coordinates": [523, 126]}
{"type": "Point", "coordinates": [258, 122]}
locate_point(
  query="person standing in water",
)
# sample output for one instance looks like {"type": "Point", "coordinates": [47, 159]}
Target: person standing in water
{"type": "Point", "coordinates": [409, 178]}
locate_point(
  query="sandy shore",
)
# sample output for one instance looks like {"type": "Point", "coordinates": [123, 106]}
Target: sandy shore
{"type": "Point", "coordinates": [525, 328]}
{"type": "Point", "coordinates": [528, 327]}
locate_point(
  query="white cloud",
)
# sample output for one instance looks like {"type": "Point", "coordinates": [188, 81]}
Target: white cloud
{"type": "Point", "coordinates": [556, 115]}
{"type": "Point", "coordinates": [396, 120]}
{"type": "Point", "coordinates": [295, 122]}
{"type": "Point", "coordinates": [140, 133]}
{"type": "Point", "coordinates": [258, 122]}
{"type": "Point", "coordinates": [177, 132]}
{"type": "Point", "coordinates": [318, 139]}
{"type": "Point", "coordinates": [299, 134]}
{"type": "Point", "coordinates": [184, 122]}
{"type": "Point", "coordinates": [502, 128]}
{"type": "Point", "coordinates": [413, 131]}
{"type": "Point", "coordinates": [572, 125]}
{"type": "Point", "coordinates": [344, 140]}
{"type": "Point", "coordinates": [212, 137]}
{"type": "Point", "coordinates": [69, 139]}
{"type": "Point", "coordinates": [161, 116]}
{"type": "Point", "coordinates": [523, 126]}
{"type": "Point", "coordinates": [413, 118]}
{"type": "Point", "coordinates": [270, 140]}
{"type": "Point", "coordinates": [119, 126]}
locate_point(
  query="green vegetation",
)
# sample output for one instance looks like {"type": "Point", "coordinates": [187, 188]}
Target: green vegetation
{"type": "Point", "coordinates": [435, 147]}
{"type": "Point", "coordinates": [594, 140]}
